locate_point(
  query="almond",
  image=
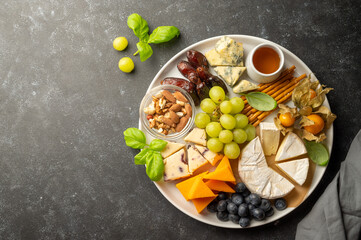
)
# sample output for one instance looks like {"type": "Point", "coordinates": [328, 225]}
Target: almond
{"type": "Point", "coordinates": [167, 121]}
{"type": "Point", "coordinates": [174, 117]}
{"type": "Point", "coordinates": [168, 96]}
{"type": "Point", "coordinates": [182, 123]}
{"type": "Point", "coordinates": [175, 108]}
{"type": "Point", "coordinates": [188, 110]}
{"type": "Point", "coordinates": [180, 97]}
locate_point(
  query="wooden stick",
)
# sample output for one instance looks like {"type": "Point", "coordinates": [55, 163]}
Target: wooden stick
{"type": "Point", "coordinates": [284, 73]}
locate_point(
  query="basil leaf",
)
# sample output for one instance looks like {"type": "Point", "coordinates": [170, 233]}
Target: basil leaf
{"type": "Point", "coordinates": [261, 101]}
{"type": "Point", "coordinates": [134, 138]}
{"type": "Point", "coordinates": [140, 158]}
{"type": "Point", "coordinates": [139, 26]}
{"type": "Point", "coordinates": [155, 166]}
{"type": "Point", "coordinates": [163, 34]}
{"type": "Point", "coordinates": [157, 144]}
{"type": "Point", "coordinates": [317, 152]}
{"type": "Point", "coordinates": [145, 50]}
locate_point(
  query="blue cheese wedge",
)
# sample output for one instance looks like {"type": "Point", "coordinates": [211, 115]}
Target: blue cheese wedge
{"type": "Point", "coordinates": [270, 137]}
{"type": "Point", "coordinates": [197, 136]}
{"type": "Point", "coordinates": [257, 176]}
{"type": "Point", "coordinates": [297, 169]}
{"type": "Point", "coordinates": [216, 59]}
{"type": "Point", "coordinates": [211, 157]}
{"type": "Point", "coordinates": [176, 166]}
{"type": "Point", "coordinates": [291, 147]}
{"type": "Point", "coordinates": [171, 148]}
{"type": "Point", "coordinates": [230, 74]}
{"type": "Point", "coordinates": [228, 48]}
{"type": "Point", "coordinates": [244, 86]}
{"type": "Point", "coordinates": [195, 159]}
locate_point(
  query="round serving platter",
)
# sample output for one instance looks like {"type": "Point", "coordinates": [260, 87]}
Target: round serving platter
{"type": "Point", "coordinates": [168, 189]}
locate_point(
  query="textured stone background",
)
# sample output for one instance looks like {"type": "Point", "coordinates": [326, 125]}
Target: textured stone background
{"type": "Point", "coordinates": [65, 171]}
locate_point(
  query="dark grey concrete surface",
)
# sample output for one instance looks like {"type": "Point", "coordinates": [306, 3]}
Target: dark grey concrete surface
{"type": "Point", "coordinates": [65, 172]}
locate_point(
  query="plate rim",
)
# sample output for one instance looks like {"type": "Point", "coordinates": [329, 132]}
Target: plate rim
{"type": "Point", "coordinates": [330, 130]}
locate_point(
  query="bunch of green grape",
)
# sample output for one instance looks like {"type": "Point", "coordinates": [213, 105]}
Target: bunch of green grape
{"type": "Point", "coordinates": [226, 127]}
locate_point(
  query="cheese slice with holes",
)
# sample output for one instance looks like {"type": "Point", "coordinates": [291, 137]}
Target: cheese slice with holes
{"type": "Point", "coordinates": [197, 136]}
{"type": "Point", "coordinates": [291, 147]}
{"type": "Point", "coordinates": [230, 74]}
{"type": "Point", "coordinates": [171, 148]}
{"type": "Point", "coordinates": [257, 176]}
{"type": "Point", "coordinates": [296, 169]}
{"type": "Point", "coordinates": [176, 166]}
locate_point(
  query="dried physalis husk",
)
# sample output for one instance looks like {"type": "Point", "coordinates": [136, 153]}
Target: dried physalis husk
{"type": "Point", "coordinates": [285, 109]}
{"type": "Point", "coordinates": [301, 95]}
{"type": "Point", "coordinates": [327, 116]}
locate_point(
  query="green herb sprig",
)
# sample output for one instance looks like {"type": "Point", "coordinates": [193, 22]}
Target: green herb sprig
{"type": "Point", "coordinates": [317, 152]}
{"type": "Point", "coordinates": [150, 155]}
{"type": "Point", "coordinates": [141, 29]}
{"type": "Point", "coordinates": [261, 101]}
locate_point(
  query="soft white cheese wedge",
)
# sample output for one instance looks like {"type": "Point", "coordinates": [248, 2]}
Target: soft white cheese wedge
{"type": "Point", "coordinates": [195, 159]}
{"type": "Point", "coordinates": [176, 166]}
{"type": "Point", "coordinates": [244, 86]}
{"type": "Point", "coordinates": [230, 74]}
{"type": "Point", "coordinates": [291, 146]}
{"type": "Point", "coordinates": [257, 176]}
{"type": "Point", "coordinates": [270, 137]}
{"type": "Point", "coordinates": [297, 169]}
{"type": "Point", "coordinates": [211, 157]}
{"type": "Point", "coordinates": [197, 136]}
{"type": "Point", "coordinates": [171, 148]}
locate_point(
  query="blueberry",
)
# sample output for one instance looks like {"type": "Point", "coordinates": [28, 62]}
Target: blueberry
{"type": "Point", "coordinates": [221, 206]}
{"type": "Point", "coordinates": [270, 212]}
{"type": "Point", "coordinates": [255, 199]}
{"type": "Point", "coordinates": [237, 198]}
{"type": "Point", "coordinates": [251, 207]}
{"type": "Point", "coordinates": [222, 216]}
{"type": "Point", "coordinates": [280, 204]}
{"type": "Point", "coordinates": [212, 207]}
{"type": "Point", "coordinates": [228, 200]}
{"type": "Point", "coordinates": [244, 222]}
{"type": "Point", "coordinates": [232, 208]}
{"type": "Point", "coordinates": [265, 205]}
{"type": "Point", "coordinates": [247, 199]}
{"type": "Point", "coordinates": [234, 218]}
{"type": "Point", "coordinates": [241, 187]}
{"type": "Point", "coordinates": [222, 196]}
{"type": "Point", "coordinates": [258, 214]}
{"type": "Point", "coordinates": [246, 193]}
{"type": "Point", "coordinates": [243, 210]}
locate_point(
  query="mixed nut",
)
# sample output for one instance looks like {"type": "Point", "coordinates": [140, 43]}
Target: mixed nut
{"type": "Point", "coordinates": [168, 112]}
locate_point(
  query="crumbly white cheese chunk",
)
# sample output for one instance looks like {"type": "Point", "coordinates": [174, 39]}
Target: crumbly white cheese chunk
{"type": "Point", "coordinates": [230, 74]}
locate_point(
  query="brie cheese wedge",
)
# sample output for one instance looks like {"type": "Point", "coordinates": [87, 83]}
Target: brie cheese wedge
{"type": "Point", "coordinates": [176, 166]}
{"type": "Point", "coordinates": [291, 146]}
{"type": "Point", "coordinates": [244, 86]}
{"type": "Point", "coordinates": [197, 136]}
{"type": "Point", "coordinates": [171, 148]}
{"type": "Point", "coordinates": [297, 169]}
{"type": "Point", "coordinates": [195, 159]}
{"type": "Point", "coordinates": [270, 137]}
{"type": "Point", "coordinates": [257, 176]}
{"type": "Point", "coordinates": [230, 74]}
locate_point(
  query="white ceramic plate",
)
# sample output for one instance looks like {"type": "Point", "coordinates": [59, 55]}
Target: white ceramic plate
{"type": "Point", "coordinates": [168, 189]}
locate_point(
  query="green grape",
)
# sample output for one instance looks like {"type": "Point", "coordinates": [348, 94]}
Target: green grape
{"type": "Point", "coordinates": [225, 107]}
{"type": "Point", "coordinates": [126, 64]}
{"type": "Point", "coordinates": [251, 132]}
{"type": "Point", "coordinates": [213, 129]}
{"type": "Point", "coordinates": [207, 105]}
{"type": "Point", "coordinates": [217, 94]}
{"type": "Point", "coordinates": [232, 150]}
{"type": "Point", "coordinates": [201, 120]}
{"type": "Point", "coordinates": [120, 43]}
{"type": "Point", "coordinates": [226, 136]}
{"type": "Point", "coordinates": [228, 121]}
{"type": "Point", "coordinates": [239, 136]}
{"type": "Point", "coordinates": [237, 105]}
{"type": "Point", "coordinates": [241, 120]}
{"type": "Point", "coordinates": [214, 145]}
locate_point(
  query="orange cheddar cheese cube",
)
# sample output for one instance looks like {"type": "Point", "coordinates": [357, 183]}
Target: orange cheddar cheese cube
{"type": "Point", "coordinates": [185, 186]}
{"type": "Point", "coordinates": [222, 174]}
{"type": "Point", "coordinates": [219, 186]}
{"type": "Point", "coordinates": [200, 190]}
